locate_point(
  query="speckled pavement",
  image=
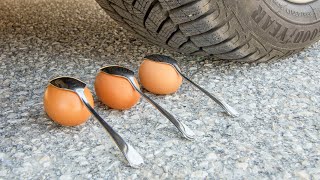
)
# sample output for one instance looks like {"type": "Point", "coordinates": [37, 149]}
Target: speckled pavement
{"type": "Point", "coordinates": [276, 136]}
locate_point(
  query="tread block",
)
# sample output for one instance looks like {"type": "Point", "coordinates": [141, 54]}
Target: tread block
{"type": "Point", "coordinates": [239, 53]}
{"type": "Point", "coordinates": [201, 25]}
{"type": "Point", "coordinates": [155, 18]}
{"type": "Point", "coordinates": [138, 27]}
{"type": "Point", "coordinates": [200, 53]}
{"type": "Point", "coordinates": [118, 3]}
{"type": "Point", "coordinates": [223, 47]}
{"type": "Point", "coordinates": [177, 39]}
{"type": "Point", "coordinates": [214, 36]}
{"type": "Point", "coordinates": [129, 8]}
{"type": "Point", "coordinates": [167, 29]}
{"type": "Point", "coordinates": [115, 16]}
{"type": "Point", "coordinates": [122, 12]}
{"type": "Point", "coordinates": [171, 4]}
{"type": "Point", "coordinates": [105, 5]}
{"type": "Point", "coordinates": [188, 47]}
{"type": "Point", "coordinates": [191, 11]}
{"type": "Point", "coordinates": [128, 1]}
{"type": "Point", "coordinates": [141, 7]}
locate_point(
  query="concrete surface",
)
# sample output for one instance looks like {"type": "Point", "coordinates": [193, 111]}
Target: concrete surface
{"type": "Point", "coordinates": [276, 136]}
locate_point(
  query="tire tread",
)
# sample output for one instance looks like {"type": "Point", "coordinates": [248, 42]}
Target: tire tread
{"type": "Point", "coordinates": [197, 27]}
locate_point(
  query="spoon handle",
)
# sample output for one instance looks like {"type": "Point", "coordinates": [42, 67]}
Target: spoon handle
{"type": "Point", "coordinates": [185, 130]}
{"type": "Point", "coordinates": [230, 110]}
{"type": "Point", "coordinates": [133, 157]}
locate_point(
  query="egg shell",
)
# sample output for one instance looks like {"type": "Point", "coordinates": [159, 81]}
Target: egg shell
{"type": "Point", "coordinates": [65, 107]}
{"type": "Point", "coordinates": [159, 78]}
{"type": "Point", "coordinates": [116, 92]}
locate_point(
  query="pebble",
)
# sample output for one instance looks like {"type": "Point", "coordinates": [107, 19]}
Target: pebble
{"type": "Point", "coordinates": [303, 175]}
{"type": "Point", "coordinates": [212, 156]}
{"type": "Point", "coordinates": [66, 177]}
{"type": "Point", "coordinates": [243, 166]}
{"type": "Point", "coordinates": [199, 175]}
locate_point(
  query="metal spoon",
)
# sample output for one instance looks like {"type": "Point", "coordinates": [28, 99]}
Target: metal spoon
{"type": "Point", "coordinates": [133, 157]}
{"type": "Point", "coordinates": [168, 60]}
{"type": "Point", "coordinates": [129, 75]}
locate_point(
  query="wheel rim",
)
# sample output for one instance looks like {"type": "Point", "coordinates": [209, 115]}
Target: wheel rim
{"type": "Point", "coordinates": [301, 1]}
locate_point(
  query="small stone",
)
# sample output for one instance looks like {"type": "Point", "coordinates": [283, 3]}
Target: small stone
{"type": "Point", "coordinates": [247, 117]}
{"type": "Point", "coordinates": [198, 122]}
{"type": "Point", "coordinates": [170, 153]}
{"type": "Point", "coordinates": [44, 159]}
{"type": "Point", "coordinates": [212, 156]}
{"type": "Point", "coordinates": [2, 155]}
{"type": "Point", "coordinates": [204, 164]}
{"type": "Point", "coordinates": [149, 156]}
{"type": "Point", "coordinates": [242, 165]}
{"type": "Point", "coordinates": [3, 172]}
{"type": "Point", "coordinates": [303, 175]}
{"type": "Point", "coordinates": [134, 176]}
{"type": "Point", "coordinates": [66, 177]}
{"type": "Point", "coordinates": [199, 174]}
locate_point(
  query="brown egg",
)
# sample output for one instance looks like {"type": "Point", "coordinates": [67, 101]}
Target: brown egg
{"type": "Point", "coordinates": [116, 92]}
{"type": "Point", "coordinates": [159, 78]}
{"type": "Point", "coordinates": [65, 107]}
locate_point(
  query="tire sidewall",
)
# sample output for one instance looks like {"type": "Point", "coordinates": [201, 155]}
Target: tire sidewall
{"type": "Point", "coordinates": [279, 23]}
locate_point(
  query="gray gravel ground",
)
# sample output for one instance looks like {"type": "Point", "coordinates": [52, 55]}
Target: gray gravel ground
{"type": "Point", "coordinates": [276, 136]}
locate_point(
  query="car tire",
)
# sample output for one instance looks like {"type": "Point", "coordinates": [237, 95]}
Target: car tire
{"type": "Point", "coordinates": [243, 30]}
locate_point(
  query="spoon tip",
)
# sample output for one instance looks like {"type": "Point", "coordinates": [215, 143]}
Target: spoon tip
{"type": "Point", "coordinates": [188, 133]}
{"type": "Point", "coordinates": [191, 138]}
{"type": "Point", "coordinates": [133, 157]}
{"type": "Point", "coordinates": [136, 164]}
{"type": "Point", "coordinates": [232, 112]}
